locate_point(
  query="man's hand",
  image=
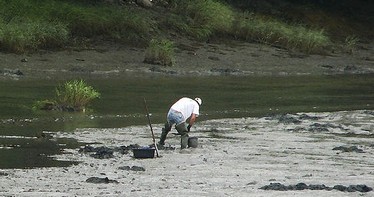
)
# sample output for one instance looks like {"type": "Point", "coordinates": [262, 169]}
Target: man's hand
{"type": "Point", "coordinates": [189, 127]}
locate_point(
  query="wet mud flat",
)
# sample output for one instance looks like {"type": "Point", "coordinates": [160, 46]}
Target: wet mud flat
{"type": "Point", "coordinates": [300, 152]}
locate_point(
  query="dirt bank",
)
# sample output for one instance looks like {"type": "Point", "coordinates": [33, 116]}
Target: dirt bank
{"type": "Point", "coordinates": [235, 157]}
{"type": "Point", "coordinates": [191, 58]}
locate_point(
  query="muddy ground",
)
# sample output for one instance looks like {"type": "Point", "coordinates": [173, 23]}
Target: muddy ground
{"type": "Point", "coordinates": [235, 157]}
{"type": "Point", "coordinates": [191, 58]}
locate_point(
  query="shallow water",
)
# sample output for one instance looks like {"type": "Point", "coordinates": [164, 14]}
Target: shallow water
{"type": "Point", "coordinates": [23, 142]}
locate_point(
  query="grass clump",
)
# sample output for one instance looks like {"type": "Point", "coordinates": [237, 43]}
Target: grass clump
{"type": "Point", "coordinates": [160, 51]}
{"type": "Point", "coordinates": [350, 43]}
{"type": "Point", "coordinates": [73, 95]}
{"type": "Point", "coordinates": [201, 18]}
{"type": "Point", "coordinates": [273, 32]}
{"type": "Point", "coordinates": [22, 36]}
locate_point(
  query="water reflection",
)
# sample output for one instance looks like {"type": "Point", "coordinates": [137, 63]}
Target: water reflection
{"type": "Point", "coordinates": [33, 152]}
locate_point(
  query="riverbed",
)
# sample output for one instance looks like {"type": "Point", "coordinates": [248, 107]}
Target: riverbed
{"type": "Point", "coordinates": [235, 157]}
{"type": "Point", "coordinates": [269, 116]}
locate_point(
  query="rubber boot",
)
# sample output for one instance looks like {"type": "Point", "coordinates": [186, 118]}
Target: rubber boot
{"type": "Point", "coordinates": [184, 141]}
{"type": "Point", "coordinates": [182, 130]}
{"type": "Point", "coordinates": [164, 133]}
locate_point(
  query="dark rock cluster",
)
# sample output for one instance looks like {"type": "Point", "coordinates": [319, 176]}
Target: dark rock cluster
{"type": "Point", "coordinates": [298, 119]}
{"type": "Point", "coordinates": [103, 152]}
{"type": "Point", "coordinates": [303, 186]}
{"type": "Point", "coordinates": [349, 149]}
{"type": "Point", "coordinates": [292, 119]}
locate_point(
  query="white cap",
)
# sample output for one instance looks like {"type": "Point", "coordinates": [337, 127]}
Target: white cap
{"type": "Point", "coordinates": [198, 100]}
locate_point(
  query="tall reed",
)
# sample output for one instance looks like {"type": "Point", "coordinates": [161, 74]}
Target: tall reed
{"type": "Point", "coordinates": [75, 95]}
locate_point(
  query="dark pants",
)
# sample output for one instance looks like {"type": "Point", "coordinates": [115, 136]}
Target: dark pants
{"type": "Point", "coordinates": [182, 130]}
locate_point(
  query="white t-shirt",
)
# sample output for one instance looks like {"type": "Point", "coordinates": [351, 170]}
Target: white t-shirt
{"type": "Point", "coordinates": [187, 107]}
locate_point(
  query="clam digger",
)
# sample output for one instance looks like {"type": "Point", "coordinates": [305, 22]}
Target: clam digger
{"type": "Point", "coordinates": [185, 109]}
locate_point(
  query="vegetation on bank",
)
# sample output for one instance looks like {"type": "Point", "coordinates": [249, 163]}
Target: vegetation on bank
{"type": "Point", "coordinates": [31, 25]}
{"type": "Point", "coordinates": [73, 95]}
{"type": "Point", "coordinates": [160, 52]}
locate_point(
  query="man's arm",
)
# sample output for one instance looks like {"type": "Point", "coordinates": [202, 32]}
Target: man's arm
{"type": "Point", "coordinates": [192, 121]}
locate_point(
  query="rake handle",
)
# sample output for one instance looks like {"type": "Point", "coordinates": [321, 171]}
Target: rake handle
{"type": "Point", "coordinates": [150, 125]}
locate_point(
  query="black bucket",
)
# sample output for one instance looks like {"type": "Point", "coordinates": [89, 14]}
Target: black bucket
{"type": "Point", "coordinates": [143, 153]}
{"type": "Point", "coordinates": [193, 142]}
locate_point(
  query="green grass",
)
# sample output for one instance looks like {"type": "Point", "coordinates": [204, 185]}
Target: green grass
{"type": "Point", "coordinates": [73, 95]}
{"type": "Point", "coordinates": [272, 32]}
{"type": "Point", "coordinates": [32, 25]}
{"type": "Point", "coordinates": [160, 51]}
{"type": "Point", "coordinates": [23, 36]}
{"type": "Point", "coordinates": [128, 25]}
{"type": "Point", "coordinates": [201, 19]}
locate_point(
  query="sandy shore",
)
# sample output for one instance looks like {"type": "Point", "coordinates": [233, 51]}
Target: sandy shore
{"type": "Point", "coordinates": [235, 157]}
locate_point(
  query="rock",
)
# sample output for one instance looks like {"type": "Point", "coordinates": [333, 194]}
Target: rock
{"type": "Point", "coordinates": [137, 168]}
{"type": "Point", "coordinates": [100, 152]}
{"type": "Point", "coordinates": [359, 188]}
{"type": "Point", "coordinates": [316, 127]}
{"type": "Point", "coordinates": [103, 153]}
{"type": "Point", "coordinates": [144, 3]}
{"type": "Point", "coordinates": [349, 149]}
{"type": "Point", "coordinates": [340, 188]}
{"type": "Point", "coordinates": [318, 187]}
{"type": "Point", "coordinates": [100, 180]}
{"type": "Point", "coordinates": [301, 186]}
{"type": "Point", "coordinates": [122, 149]}
{"type": "Point", "coordinates": [275, 186]}
{"type": "Point", "coordinates": [124, 168]}
{"type": "Point", "coordinates": [133, 168]}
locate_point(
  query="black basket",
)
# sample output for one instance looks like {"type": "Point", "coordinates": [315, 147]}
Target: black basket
{"type": "Point", "coordinates": [142, 153]}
